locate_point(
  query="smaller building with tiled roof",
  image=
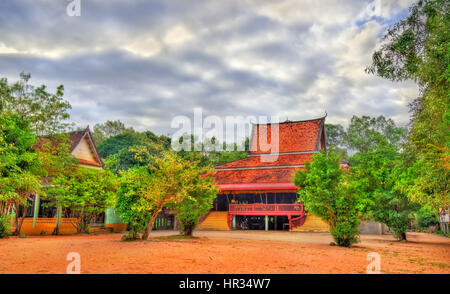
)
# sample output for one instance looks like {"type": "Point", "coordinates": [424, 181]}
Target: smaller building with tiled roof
{"type": "Point", "coordinates": [84, 149]}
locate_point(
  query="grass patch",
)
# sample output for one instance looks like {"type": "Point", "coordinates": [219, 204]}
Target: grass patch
{"type": "Point", "coordinates": [443, 234]}
{"type": "Point", "coordinates": [175, 237]}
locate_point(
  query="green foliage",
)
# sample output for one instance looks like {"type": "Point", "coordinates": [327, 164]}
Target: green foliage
{"type": "Point", "coordinates": [45, 112]}
{"type": "Point", "coordinates": [190, 210]}
{"type": "Point", "coordinates": [166, 180]}
{"type": "Point", "coordinates": [325, 190]}
{"type": "Point", "coordinates": [377, 167]}
{"type": "Point", "coordinates": [366, 133]}
{"type": "Point", "coordinates": [417, 48]}
{"type": "Point", "coordinates": [109, 129]}
{"type": "Point", "coordinates": [337, 139]}
{"type": "Point", "coordinates": [19, 164]}
{"type": "Point", "coordinates": [426, 217]}
{"type": "Point", "coordinates": [127, 201]}
{"type": "Point", "coordinates": [114, 144]}
{"type": "Point", "coordinates": [86, 191]}
{"type": "Point", "coordinates": [5, 229]}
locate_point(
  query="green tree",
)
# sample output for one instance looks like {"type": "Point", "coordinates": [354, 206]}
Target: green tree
{"type": "Point", "coordinates": [46, 112]}
{"type": "Point", "coordinates": [114, 144]}
{"type": "Point", "coordinates": [109, 129]}
{"type": "Point", "coordinates": [377, 167]}
{"type": "Point", "coordinates": [377, 173]}
{"type": "Point", "coordinates": [87, 192]}
{"type": "Point", "coordinates": [326, 191]}
{"type": "Point", "coordinates": [127, 200]}
{"type": "Point", "coordinates": [19, 165]}
{"type": "Point", "coordinates": [166, 180]}
{"type": "Point", "coordinates": [337, 139]}
{"type": "Point", "coordinates": [366, 133]}
{"type": "Point", "coordinates": [190, 210]}
{"type": "Point", "coordinates": [417, 48]}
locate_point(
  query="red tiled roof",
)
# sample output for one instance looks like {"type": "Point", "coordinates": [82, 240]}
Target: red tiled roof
{"type": "Point", "coordinates": [268, 160]}
{"type": "Point", "coordinates": [279, 175]}
{"type": "Point", "coordinates": [260, 171]}
{"type": "Point", "coordinates": [293, 136]}
{"type": "Point", "coordinates": [258, 187]}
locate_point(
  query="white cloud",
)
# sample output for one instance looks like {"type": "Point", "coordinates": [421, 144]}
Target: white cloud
{"type": "Point", "coordinates": [146, 61]}
{"type": "Point", "coordinates": [178, 35]}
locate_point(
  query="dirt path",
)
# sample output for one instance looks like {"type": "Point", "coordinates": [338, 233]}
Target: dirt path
{"type": "Point", "coordinates": [224, 252]}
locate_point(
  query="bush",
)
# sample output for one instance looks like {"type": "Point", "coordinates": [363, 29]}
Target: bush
{"type": "Point", "coordinates": [5, 229]}
{"type": "Point", "coordinates": [426, 218]}
{"type": "Point", "coordinates": [325, 191]}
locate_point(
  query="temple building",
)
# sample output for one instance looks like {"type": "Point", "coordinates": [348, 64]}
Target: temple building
{"type": "Point", "coordinates": [257, 192]}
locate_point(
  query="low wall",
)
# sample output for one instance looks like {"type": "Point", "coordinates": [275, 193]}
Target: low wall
{"type": "Point", "coordinates": [373, 228]}
{"type": "Point", "coordinates": [47, 225]}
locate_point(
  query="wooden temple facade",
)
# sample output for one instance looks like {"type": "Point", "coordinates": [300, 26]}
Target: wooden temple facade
{"type": "Point", "coordinates": [257, 192]}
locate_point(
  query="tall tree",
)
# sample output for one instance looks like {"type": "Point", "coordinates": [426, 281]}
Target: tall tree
{"type": "Point", "coordinates": [46, 112]}
{"type": "Point", "coordinates": [337, 139]}
{"type": "Point", "coordinates": [109, 129]}
{"type": "Point", "coordinates": [166, 180]}
{"type": "Point", "coordinates": [418, 48]}
{"type": "Point", "coordinates": [19, 164]}
{"type": "Point", "coordinates": [87, 192]}
{"type": "Point", "coordinates": [377, 174]}
{"type": "Point", "coordinates": [190, 210]}
{"type": "Point", "coordinates": [366, 133]}
{"type": "Point", "coordinates": [326, 191]}
{"type": "Point", "coordinates": [376, 167]}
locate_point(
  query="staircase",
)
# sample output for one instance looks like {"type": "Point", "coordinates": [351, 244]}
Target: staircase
{"type": "Point", "coordinates": [311, 223]}
{"type": "Point", "coordinates": [100, 230]}
{"type": "Point", "coordinates": [215, 220]}
{"type": "Point", "coordinates": [297, 221]}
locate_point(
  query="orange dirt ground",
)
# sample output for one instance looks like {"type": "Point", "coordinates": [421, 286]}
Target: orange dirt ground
{"type": "Point", "coordinates": [224, 252]}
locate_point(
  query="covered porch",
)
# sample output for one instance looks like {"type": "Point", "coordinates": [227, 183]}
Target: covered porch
{"type": "Point", "coordinates": [295, 213]}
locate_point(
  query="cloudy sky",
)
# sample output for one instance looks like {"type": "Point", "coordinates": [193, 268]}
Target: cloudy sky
{"type": "Point", "coordinates": [145, 62]}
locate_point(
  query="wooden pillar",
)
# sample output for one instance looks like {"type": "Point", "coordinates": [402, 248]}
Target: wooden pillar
{"type": "Point", "coordinates": [267, 222]}
{"type": "Point", "coordinates": [36, 209]}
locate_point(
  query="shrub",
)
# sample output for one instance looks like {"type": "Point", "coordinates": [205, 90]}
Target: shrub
{"type": "Point", "coordinates": [325, 190]}
{"type": "Point", "coordinates": [5, 229]}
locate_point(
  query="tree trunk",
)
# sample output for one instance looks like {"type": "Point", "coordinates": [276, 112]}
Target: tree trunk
{"type": "Point", "coordinates": [19, 225]}
{"type": "Point", "coordinates": [402, 236]}
{"type": "Point", "coordinates": [150, 225]}
{"type": "Point", "coordinates": [188, 229]}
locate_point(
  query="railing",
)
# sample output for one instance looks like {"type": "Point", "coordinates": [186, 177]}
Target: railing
{"type": "Point", "coordinates": [290, 209]}
{"type": "Point", "coordinates": [297, 221]}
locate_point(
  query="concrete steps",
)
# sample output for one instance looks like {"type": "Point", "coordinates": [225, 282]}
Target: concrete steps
{"type": "Point", "coordinates": [216, 220]}
{"type": "Point", "coordinates": [100, 230]}
{"type": "Point", "coordinates": [312, 224]}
